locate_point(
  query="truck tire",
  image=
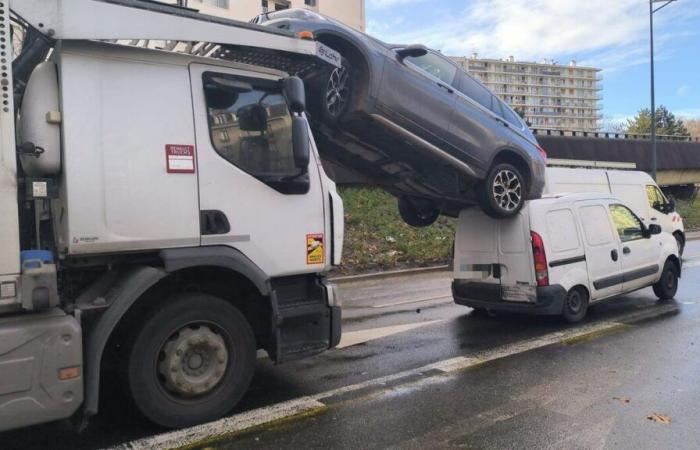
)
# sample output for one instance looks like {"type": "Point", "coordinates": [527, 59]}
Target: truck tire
{"type": "Point", "coordinates": [331, 94]}
{"type": "Point", "coordinates": [666, 287]}
{"type": "Point", "coordinates": [575, 305]}
{"type": "Point", "coordinates": [502, 193]}
{"type": "Point", "coordinates": [191, 361]}
{"type": "Point", "coordinates": [417, 214]}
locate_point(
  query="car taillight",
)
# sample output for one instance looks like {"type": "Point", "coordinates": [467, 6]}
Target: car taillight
{"type": "Point", "coordinates": [543, 153]}
{"type": "Point", "coordinates": [540, 259]}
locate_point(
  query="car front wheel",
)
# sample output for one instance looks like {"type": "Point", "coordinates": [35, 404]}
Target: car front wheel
{"type": "Point", "coordinates": [502, 193]}
{"type": "Point", "coordinates": [666, 287]}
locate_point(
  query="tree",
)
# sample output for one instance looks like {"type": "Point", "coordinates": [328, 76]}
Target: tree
{"type": "Point", "coordinates": [693, 127]}
{"type": "Point", "coordinates": [666, 123]}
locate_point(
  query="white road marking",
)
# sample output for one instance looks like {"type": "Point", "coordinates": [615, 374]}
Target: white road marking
{"type": "Point", "coordinates": [358, 337]}
{"type": "Point", "coordinates": [214, 431]}
{"type": "Point", "coordinates": [408, 302]}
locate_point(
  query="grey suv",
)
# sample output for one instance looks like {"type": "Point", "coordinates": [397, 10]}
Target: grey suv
{"type": "Point", "coordinates": [410, 120]}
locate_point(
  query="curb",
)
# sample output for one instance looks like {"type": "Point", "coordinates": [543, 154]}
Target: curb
{"type": "Point", "coordinates": [389, 274]}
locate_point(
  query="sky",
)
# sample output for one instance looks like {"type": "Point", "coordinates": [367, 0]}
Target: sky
{"type": "Point", "coordinates": [609, 34]}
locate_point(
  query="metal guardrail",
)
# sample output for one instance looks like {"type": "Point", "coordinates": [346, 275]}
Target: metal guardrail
{"type": "Point", "coordinates": [610, 135]}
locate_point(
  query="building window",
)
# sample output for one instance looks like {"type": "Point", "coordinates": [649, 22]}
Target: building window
{"type": "Point", "coordinates": [310, 3]}
{"type": "Point", "coordinates": [281, 6]}
{"type": "Point", "coordinates": [218, 3]}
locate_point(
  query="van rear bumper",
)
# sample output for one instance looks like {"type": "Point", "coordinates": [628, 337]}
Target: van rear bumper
{"type": "Point", "coordinates": [550, 299]}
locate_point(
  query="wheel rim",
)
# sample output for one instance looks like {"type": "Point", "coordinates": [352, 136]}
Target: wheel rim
{"type": "Point", "coordinates": [507, 190]}
{"type": "Point", "coordinates": [574, 302]}
{"type": "Point", "coordinates": [192, 361]}
{"type": "Point", "coordinates": [337, 91]}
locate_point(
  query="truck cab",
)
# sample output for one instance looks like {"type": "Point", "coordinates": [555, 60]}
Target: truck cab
{"type": "Point", "coordinates": [173, 217]}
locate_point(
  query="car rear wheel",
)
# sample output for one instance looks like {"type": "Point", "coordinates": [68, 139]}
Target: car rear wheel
{"type": "Point", "coordinates": [191, 361]}
{"type": "Point", "coordinates": [418, 213]}
{"type": "Point", "coordinates": [502, 193]}
{"type": "Point", "coordinates": [330, 93]}
{"type": "Point", "coordinates": [666, 287]}
{"type": "Point", "coordinates": [575, 305]}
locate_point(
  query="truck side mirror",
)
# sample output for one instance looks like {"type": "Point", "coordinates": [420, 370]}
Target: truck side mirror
{"type": "Point", "coordinates": [295, 94]}
{"type": "Point", "coordinates": [300, 142]}
{"type": "Point", "coordinates": [413, 51]}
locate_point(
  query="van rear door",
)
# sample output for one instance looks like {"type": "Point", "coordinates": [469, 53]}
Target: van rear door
{"type": "Point", "coordinates": [494, 251]}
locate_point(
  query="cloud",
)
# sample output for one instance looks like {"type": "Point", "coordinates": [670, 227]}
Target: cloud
{"type": "Point", "coordinates": [536, 29]}
{"type": "Point", "coordinates": [683, 91]}
{"type": "Point", "coordinates": [384, 4]}
{"type": "Point", "coordinates": [692, 113]}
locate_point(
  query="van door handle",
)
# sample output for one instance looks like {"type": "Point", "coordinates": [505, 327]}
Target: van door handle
{"type": "Point", "coordinates": [626, 250]}
{"type": "Point", "coordinates": [613, 255]}
{"type": "Point", "coordinates": [654, 219]}
{"type": "Point", "coordinates": [446, 87]}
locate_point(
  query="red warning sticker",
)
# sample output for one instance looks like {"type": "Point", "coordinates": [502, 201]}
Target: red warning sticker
{"type": "Point", "coordinates": [179, 158]}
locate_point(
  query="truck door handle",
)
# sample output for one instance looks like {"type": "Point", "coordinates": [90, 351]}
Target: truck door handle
{"type": "Point", "coordinates": [213, 222]}
{"type": "Point", "coordinates": [626, 250]}
{"type": "Point", "coordinates": [613, 255]}
{"type": "Point", "coordinates": [446, 87]}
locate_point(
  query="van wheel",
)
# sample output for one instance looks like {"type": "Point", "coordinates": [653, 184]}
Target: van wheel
{"type": "Point", "coordinates": [575, 305]}
{"type": "Point", "coordinates": [667, 285]}
{"type": "Point", "coordinates": [191, 361]}
{"type": "Point", "coordinates": [502, 193]}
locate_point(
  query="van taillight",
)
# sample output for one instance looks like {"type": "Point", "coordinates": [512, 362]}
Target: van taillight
{"type": "Point", "coordinates": [540, 259]}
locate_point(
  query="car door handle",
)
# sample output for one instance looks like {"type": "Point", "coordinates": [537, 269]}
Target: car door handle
{"type": "Point", "coordinates": [654, 219]}
{"type": "Point", "coordinates": [613, 255]}
{"type": "Point", "coordinates": [446, 87]}
{"type": "Point", "coordinates": [626, 250]}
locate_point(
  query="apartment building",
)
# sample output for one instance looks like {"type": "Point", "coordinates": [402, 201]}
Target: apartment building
{"type": "Point", "coordinates": [550, 95]}
{"type": "Point", "coordinates": [350, 12]}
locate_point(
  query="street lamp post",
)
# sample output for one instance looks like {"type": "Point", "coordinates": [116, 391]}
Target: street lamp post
{"type": "Point", "coordinates": [653, 102]}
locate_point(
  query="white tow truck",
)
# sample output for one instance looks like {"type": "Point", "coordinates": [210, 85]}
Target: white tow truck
{"type": "Point", "coordinates": [163, 209]}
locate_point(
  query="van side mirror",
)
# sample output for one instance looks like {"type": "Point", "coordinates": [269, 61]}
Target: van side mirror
{"type": "Point", "coordinates": [295, 94]}
{"type": "Point", "coordinates": [654, 229]}
{"type": "Point", "coordinates": [300, 142]}
{"type": "Point", "coordinates": [412, 51]}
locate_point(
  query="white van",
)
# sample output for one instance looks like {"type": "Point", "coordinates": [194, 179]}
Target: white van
{"type": "Point", "coordinates": [636, 189]}
{"type": "Point", "coordinates": [559, 254]}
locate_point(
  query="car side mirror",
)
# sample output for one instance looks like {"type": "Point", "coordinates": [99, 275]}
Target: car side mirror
{"type": "Point", "coordinates": [295, 94]}
{"type": "Point", "coordinates": [413, 51]}
{"type": "Point", "coordinates": [654, 229]}
{"type": "Point", "coordinates": [300, 142]}
{"type": "Point", "coordinates": [671, 204]}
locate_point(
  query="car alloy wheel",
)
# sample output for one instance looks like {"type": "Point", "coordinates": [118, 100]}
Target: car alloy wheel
{"type": "Point", "coordinates": [507, 190]}
{"type": "Point", "coordinates": [337, 91]}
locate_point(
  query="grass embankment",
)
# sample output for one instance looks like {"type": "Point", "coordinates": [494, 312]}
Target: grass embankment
{"type": "Point", "coordinates": [376, 238]}
{"type": "Point", "coordinates": [690, 211]}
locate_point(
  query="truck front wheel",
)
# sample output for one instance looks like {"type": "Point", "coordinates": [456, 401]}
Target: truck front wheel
{"type": "Point", "coordinates": [191, 361]}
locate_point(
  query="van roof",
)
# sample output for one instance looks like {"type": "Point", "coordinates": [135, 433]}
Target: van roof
{"type": "Point", "coordinates": [574, 197]}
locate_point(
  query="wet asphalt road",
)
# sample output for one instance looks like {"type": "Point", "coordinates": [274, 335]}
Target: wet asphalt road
{"type": "Point", "coordinates": [557, 396]}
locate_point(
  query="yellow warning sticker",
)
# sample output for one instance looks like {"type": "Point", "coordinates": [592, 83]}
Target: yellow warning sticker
{"type": "Point", "coordinates": [315, 253]}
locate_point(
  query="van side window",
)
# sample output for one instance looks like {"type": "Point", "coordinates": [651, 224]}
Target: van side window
{"type": "Point", "coordinates": [596, 225]}
{"type": "Point", "coordinates": [629, 227]}
{"type": "Point", "coordinates": [655, 196]}
{"type": "Point", "coordinates": [562, 230]}
{"type": "Point", "coordinates": [250, 128]}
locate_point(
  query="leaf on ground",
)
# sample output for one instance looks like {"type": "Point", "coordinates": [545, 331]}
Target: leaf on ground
{"type": "Point", "coordinates": [624, 400]}
{"type": "Point", "coordinates": [659, 418]}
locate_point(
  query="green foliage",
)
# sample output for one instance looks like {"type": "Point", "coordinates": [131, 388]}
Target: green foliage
{"type": "Point", "coordinates": [376, 238]}
{"type": "Point", "coordinates": [690, 212]}
{"type": "Point", "coordinates": [666, 123]}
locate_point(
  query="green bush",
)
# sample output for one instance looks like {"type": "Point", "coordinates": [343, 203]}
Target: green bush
{"type": "Point", "coordinates": [690, 212]}
{"type": "Point", "coordinates": [376, 238]}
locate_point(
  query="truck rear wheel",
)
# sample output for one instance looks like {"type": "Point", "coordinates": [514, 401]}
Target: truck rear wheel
{"type": "Point", "coordinates": [191, 361]}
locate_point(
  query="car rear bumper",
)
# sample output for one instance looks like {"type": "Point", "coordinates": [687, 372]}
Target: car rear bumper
{"type": "Point", "coordinates": [549, 300]}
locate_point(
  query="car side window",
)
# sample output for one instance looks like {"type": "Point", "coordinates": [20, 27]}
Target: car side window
{"type": "Point", "coordinates": [475, 91]}
{"type": "Point", "coordinates": [434, 65]}
{"type": "Point", "coordinates": [251, 129]}
{"type": "Point", "coordinates": [511, 117]}
{"type": "Point", "coordinates": [628, 226]}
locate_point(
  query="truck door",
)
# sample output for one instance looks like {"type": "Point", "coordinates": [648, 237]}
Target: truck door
{"type": "Point", "coordinates": [603, 255]}
{"type": "Point", "coordinates": [252, 197]}
{"type": "Point", "coordinates": [516, 266]}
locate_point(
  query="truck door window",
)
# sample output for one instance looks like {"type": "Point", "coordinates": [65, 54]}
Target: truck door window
{"type": "Point", "coordinates": [252, 129]}
{"type": "Point", "coordinates": [628, 226]}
